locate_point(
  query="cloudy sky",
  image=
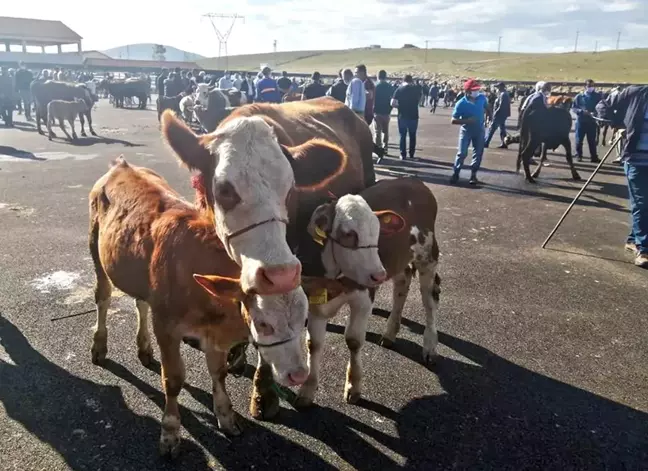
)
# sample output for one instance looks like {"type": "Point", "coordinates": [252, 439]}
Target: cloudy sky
{"type": "Point", "coordinates": [525, 26]}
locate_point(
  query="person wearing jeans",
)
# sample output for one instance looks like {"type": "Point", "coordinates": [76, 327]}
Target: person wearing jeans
{"type": "Point", "coordinates": [632, 103]}
{"type": "Point", "coordinates": [406, 99]}
{"type": "Point", "coordinates": [584, 107]}
{"type": "Point", "coordinates": [500, 115]}
{"type": "Point", "coordinates": [469, 113]}
{"type": "Point", "coordinates": [382, 110]}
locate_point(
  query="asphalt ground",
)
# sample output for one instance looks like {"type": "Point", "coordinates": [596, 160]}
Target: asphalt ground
{"type": "Point", "coordinates": [544, 352]}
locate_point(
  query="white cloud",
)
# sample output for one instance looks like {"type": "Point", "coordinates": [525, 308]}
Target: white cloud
{"type": "Point", "coordinates": [619, 6]}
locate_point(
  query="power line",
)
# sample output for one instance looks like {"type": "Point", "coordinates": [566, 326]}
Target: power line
{"type": "Point", "coordinates": [499, 45]}
{"type": "Point", "coordinates": [618, 40]}
{"type": "Point", "coordinates": [576, 43]}
{"type": "Point", "coordinates": [223, 36]}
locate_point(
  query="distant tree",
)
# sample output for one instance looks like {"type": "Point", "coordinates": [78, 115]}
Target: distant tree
{"type": "Point", "coordinates": [159, 52]}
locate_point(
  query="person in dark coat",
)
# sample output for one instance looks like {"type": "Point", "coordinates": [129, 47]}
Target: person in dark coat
{"type": "Point", "coordinates": [338, 89]}
{"type": "Point", "coordinates": [315, 88]}
{"type": "Point", "coordinates": [502, 110]}
{"type": "Point", "coordinates": [584, 107]}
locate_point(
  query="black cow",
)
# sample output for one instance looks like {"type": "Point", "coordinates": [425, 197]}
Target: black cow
{"type": "Point", "coordinates": [549, 127]}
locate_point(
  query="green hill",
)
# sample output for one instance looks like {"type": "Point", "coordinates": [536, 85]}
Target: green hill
{"type": "Point", "coordinates": [610, 66]}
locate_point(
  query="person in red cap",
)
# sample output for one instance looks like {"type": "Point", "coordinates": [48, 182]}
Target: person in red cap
{"type": "Point", "coordinates": [469, 113]}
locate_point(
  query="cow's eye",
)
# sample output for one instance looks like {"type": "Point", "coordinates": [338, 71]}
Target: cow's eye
{"type": "Point", "coordinates": [225, 195]}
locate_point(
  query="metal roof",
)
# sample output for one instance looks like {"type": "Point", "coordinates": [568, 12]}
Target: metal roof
{"type": "Point", "coordinates": [30, 30]}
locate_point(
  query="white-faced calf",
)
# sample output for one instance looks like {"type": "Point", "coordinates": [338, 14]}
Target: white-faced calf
{"type": "Point", "coordinates": [385, 232]}
{"type": "Point", "coordinates": [151, 244]}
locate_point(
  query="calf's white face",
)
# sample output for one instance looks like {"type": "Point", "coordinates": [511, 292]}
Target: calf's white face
{"type": "Point", "coordinates": [276, 323]}
{"type": "Point", "coordinates": [202, 94]}
{"type": "Point", "coordinates": [350, 231]}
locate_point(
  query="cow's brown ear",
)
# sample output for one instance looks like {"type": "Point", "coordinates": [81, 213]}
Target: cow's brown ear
{"type": "Point", "coordinates": [188, 147]}
{"type": "Point", "coordinates": [390, 222]}
{"type": "Point", "coordinates": [316, 164]}
{"type": "Point", "coordinates": [221, 287]}
{"type": "Point", "coordinates": [321, 222]}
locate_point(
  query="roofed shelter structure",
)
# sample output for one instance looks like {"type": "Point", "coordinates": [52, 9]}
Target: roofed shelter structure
{"type": "Point", "coordinates": [26, 32]}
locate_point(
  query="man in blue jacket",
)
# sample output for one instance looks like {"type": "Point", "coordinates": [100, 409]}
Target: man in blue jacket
{"type": "Point", "coordinates": [469, 113]}
{"type": "Point", "coordinates": [632, 104]}
{"type": "Point", "coordinates": [500, 115]}
{"type": "Point", "coordinates": [584, 107]}
{"type": "Point", "coordinates": [267, 90]}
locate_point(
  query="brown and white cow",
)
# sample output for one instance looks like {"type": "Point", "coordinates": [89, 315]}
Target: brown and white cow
{"type": "Point", "coordinates": [164, 252]}
{"type": "Point", "coordinates": [260, 155]}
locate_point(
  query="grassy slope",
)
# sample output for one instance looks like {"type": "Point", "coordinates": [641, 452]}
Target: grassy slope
{"type": "Point", "coordinates": [612, 66]}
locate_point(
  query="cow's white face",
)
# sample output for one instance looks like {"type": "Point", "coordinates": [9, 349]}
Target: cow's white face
{"type": "Point", "coordinates": [276, 323]}
{"type": "Point", "coordinates": [202, 94]}
{"type": "Point", "coordinates": [251, 183]}
{"type": "Point", "coordinates": [252, 179]}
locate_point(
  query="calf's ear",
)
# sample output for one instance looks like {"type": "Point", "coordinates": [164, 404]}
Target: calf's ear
{"type": "Point", "coordinates": [221, 287]}
{"type": "Point", "coordinates": [321, 222]}
{"type": "Point", "coordinates": [190, 149]}
{"type": "Point", "coordinates": [390, 222]}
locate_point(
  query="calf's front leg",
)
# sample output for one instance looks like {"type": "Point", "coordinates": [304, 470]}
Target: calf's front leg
{"type": "Point", "coordinates": [217, 365]}
{"type": "Point", "coordinates": [354, 334]}
{"type": "Point", "coordinates": [173, 376]}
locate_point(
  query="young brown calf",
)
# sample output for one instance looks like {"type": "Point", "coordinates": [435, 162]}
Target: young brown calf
{"type": "Point", "coordinates": [150, 243]}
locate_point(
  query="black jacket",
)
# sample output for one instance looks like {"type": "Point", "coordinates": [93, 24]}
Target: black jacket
{"type": "Point", "coordinates": [631, 103]}
{"type": "Point", "coordinates": [23, 78]}
{"type": "Point", "coordinates": [338, 90]}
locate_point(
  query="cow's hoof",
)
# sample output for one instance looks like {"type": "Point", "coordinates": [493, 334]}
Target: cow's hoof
{"type": "Point", "coordinates": [430, 357]}
{"type": "Point", "coordinates": [169, 445]}
{"type": "Point", "coordinates": [99, 354]}
{"type": "Point", "coordinates": [351, 396]}
{"type": "Point", "coordinates": [385, 342]}
{"type": "Point", "coordinates": [530, 180]}
{"type": "Point", "coordinates": [84, 134]}
{"type": "Point", "coordinates": [576, 177]}
{"type": "Point", "coordinates": [303, 402]}
{"type": "Point", "coordinates": [75, 137]}
{"type": "Point", "coordinates": [49, 138]}
{"type": "Point", "coordinates": [93, 133]}
{"type": "Point", "coordinates": [230, 426]}
{"type": "Point", "coordinates": [146, 356]}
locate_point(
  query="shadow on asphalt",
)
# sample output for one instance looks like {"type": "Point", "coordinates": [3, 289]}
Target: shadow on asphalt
{"type": "Point", "coordinates": [498, 415]}
{"type": "Point", "coordinates": [90, 141]}
{"type": "Point", "coordinates": [24, 126]}
{"type": "Point", "coordinates": [91, 427]}
{"type": "Point", "coordinates": [494, 415]}
{"type": "Point", "coordinates": [410, 168]}
{"type": "Point", "coordinates": [18, 154]}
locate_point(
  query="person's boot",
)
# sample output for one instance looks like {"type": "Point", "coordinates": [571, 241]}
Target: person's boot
{"type": "Point", "coordinates": [502, 146]}
{"type": "Point", "coordinates": [473, 179]}
{"type": "Point", "coordinates": [631, 247]}
{"type": "Point", "coordinates": [595, 160]}
{"type": "Point", "coordinates": [454, 179]}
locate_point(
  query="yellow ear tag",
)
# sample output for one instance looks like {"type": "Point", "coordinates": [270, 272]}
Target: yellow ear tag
{"type": "Point", "coordinates": [318, 297]}
{"type": "Point", "coordinates": [320, 235]}
{"type": "Point", "coordinates": [387, 218]}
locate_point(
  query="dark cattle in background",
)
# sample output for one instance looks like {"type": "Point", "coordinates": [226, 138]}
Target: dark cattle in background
{"type": "Point", "coordinates": [549, 127]}
{"type": "Point", "coordinates": [169, 103]}
{"type": "Point", "coordinates": [44, 92]}
{"type": "Point", "coordinates": [130, 88]}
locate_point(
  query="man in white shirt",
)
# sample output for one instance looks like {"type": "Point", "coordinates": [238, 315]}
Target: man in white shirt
{"type": "Point", "coordinates": [225, 83]}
